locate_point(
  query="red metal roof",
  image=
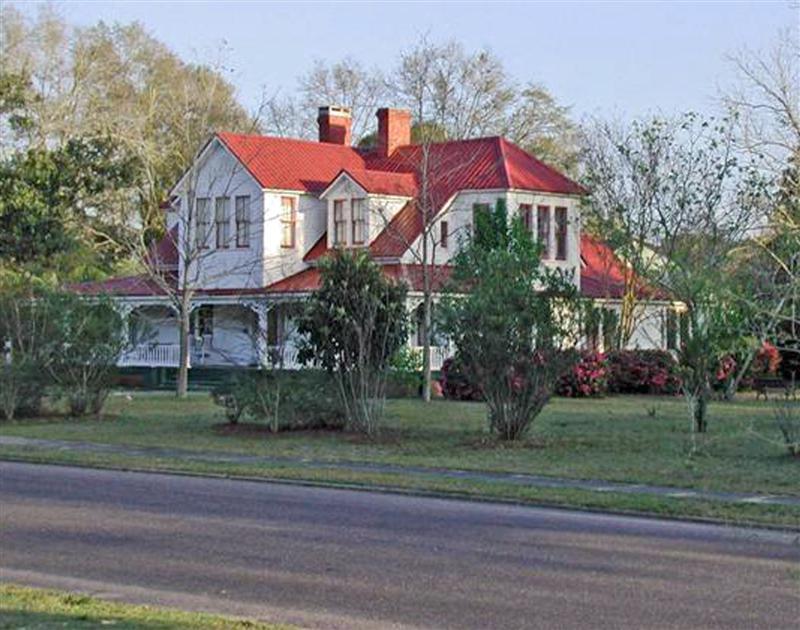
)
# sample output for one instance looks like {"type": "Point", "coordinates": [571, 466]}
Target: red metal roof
{"type": "Point", "coordinates": [412, 275]}
{"type": "Point", "coordinates": [603, 274]}
{"type": "Point", "coordinates": [289, 164]}
{"type": "Point", "coordinates": [384, 182]}
{"type": "Point", "coordinates": [133, 286]}
{"type": "Point", "coordinates": [480, 163]}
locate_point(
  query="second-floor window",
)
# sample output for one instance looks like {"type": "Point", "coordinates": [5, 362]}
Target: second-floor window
{"type": "Point", "coordinates": [221, 220]}
{"type": "Point", "coordinates": [359, 221]}
{"type": "Point", "coordinates": [526, 216]}
{"type": "Point", "coordinates": [480, 219]}
{"type": "Point", "coordinates": [243, 221]}
{"type": "Point", "coordinates": [288, 221]}
{"type": "Point", "coordinates": [339, 223]}
{"type": "Point", "coordinates": [202, 221]}
{"type": "Point", "coordinates": [444, 233]}
{"type": "Point", "coordinates": [543, 229]}
{"type": "Point", "coordinates": [561, 233]}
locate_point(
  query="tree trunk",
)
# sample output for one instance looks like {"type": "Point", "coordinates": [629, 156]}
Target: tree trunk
{"type": "Point", "coordinates": [426, 348]}
{"type": "Point", "coordinates": [182, 383]}
{"type": "Point", "coordinates": [701, 414]}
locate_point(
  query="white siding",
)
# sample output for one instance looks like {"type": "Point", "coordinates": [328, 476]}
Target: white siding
{"type": "Point", "coordinates": [219, 174]}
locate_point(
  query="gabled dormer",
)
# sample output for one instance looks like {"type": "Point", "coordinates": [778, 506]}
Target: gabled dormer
{"type": "Point", "coordinates": [360, 204]}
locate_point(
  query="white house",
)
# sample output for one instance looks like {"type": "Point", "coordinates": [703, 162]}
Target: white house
{"type": "Point", "coordinates": [248, 222]}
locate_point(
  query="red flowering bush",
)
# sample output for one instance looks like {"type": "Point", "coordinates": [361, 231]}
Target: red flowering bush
{"type": "Point", "coordinates": [767, 361]}
{"type": "Point", "coordinates": [455, 384]}
{"type": "Point", "coordinates": [642, 372]}
{"type": "Point", "coordinates": [587, 377]}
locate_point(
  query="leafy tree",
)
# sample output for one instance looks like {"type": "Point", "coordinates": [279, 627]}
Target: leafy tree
{"type": "Point", "coordinates": [352, 327]}
{"type": "Point", "coordinates": [51, 200]}
{"type": "Point", "coordinates": [25, 331]}
{"type": "Point", "coordinates": [507, 320]}
{"type": "Point", "coordinates": [87, 340]}
{"type": "Point", "coordinates": [118, 81]}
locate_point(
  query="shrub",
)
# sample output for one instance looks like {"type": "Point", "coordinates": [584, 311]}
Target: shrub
{"type": "Point", "coordinates": [21, 390]}
{"type": "Point", "coordinates": [352, 327]}
{"type": "Point", "coordinates": [642, 372]}
{"type": "Point", "coordinates": [455, 384]}
{"type": "Point", "coordinates": [405, 374]}
{"type": "Point", "coordinates": [504, 316]}
{"type": "Point", "coordinates": [587, 377]}
{"type": "Point", "coordinates": [284, 400]}
{"type": "Point", "coordinates": [88, 338]}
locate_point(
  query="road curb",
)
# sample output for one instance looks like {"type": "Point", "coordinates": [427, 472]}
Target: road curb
{"type": "Point", "coordinates": [412, 492]}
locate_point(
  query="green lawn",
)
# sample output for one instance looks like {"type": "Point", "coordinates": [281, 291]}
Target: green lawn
{"type": "Point", "coordinates": [36, 609]}
{"type": "Point", "coordinates": [624, 438]}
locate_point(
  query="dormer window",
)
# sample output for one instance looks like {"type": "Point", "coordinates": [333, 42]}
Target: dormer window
{"type": "Point", "coordinates": [288, 221]}
{"type": "Point", "coordinates": [339, 223]}
{"type": "Point", "coordinates": [358, 221]}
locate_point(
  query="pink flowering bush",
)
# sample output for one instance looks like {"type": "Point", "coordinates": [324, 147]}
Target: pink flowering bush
{"type": "Point", "coordinates": [587, 377]}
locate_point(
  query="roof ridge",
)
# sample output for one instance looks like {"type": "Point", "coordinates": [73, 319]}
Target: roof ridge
{"type": "Point", "coordinates": [500, 147]}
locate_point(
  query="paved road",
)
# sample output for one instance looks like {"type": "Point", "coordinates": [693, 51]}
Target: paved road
{"type": "Point", "coordinates": [339, 559]}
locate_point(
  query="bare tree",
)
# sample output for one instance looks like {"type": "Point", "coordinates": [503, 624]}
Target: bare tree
{"type": "Point", "coordinates": [767, 99]}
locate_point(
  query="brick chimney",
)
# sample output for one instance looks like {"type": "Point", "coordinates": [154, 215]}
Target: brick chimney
{"type": "Point", "coordinates": [394, 129]}
{"type": "Point", "coordinates": [334, 125]}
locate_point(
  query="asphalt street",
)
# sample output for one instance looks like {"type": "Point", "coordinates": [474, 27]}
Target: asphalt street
{"type": "Point", "coordinates": [327, 558]}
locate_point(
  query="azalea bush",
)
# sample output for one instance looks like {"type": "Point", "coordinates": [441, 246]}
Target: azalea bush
{"type": "Point", "coordinates": [642, 372]}
{"type": "Point", "coordinates": [455, 384]}
{"type": "Point", "coordinates": [588, 377]}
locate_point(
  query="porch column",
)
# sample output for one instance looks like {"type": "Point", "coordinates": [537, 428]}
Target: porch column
{"type": "Point", "coordinates": [261, 309]}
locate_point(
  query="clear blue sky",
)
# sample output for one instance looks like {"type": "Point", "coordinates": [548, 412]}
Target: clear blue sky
{"type": "Point", "coordinates": [611, 58]}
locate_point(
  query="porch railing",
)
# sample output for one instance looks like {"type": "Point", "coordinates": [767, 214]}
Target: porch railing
{"type": "Point", "coordinates": [438, 355]}
{"type": "Point", "coordinates": [151, 355]}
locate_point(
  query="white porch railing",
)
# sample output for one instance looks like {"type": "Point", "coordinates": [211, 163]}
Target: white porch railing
{"type": "Point", "coordinates": [438, 355]}
{"type": "Point", "coordinates": [151, 355]}
{"type": "Point", "coordinates": [284, 357]}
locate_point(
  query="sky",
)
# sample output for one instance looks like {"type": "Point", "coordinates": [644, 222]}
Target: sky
{"type": "Point", "coordinates": [620, 59]}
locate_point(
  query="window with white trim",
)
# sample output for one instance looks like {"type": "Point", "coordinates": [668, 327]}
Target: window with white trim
{"type": "Point", "coordinates": [202, 221]}
{"type": "Point", "coordinates": [358, 221]}
{"type": "Point", "coordinates": [288, 221]}
{"type": "Point", "coordinates": [543, 229]}
{"type": "Point", "coordinates": [243, 221]}
{"type": "Point", "coordinates": [561, 233]}
{"type": "Point", "coordinates": [339, 223]}
{"type": "Point", "coordinates": [221, 221]}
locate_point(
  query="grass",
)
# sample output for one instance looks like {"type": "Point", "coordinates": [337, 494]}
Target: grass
{"type": "Point", "coordinates": [611, 439]}
{"type": "Point", "coordinates": [22, 607]}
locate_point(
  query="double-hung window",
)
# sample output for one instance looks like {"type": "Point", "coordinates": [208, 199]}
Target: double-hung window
{"type": "Point", "coordinates": [359, 221]}
{"type": "Point", "coordinates": [339, 223]}
{"type": "Point", "coordinates": [243, 221]}
{"type": "Point", "coordinates": [202, 221]}
{"type": "Point", "coordinates": [444, 234]}
{"type": "Point", "coordinates": [561, 233]}
{"type": "Point", "coordinates": [221, 221]}
{"type": "Point", "coordinates": [526, 216]}
{"type": "Point", "coordinates": [543, 229]}
{"type": "Point", "coordinates": [288, 221]}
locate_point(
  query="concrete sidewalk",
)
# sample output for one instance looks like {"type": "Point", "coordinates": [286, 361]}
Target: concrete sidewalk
{"type": "Point", "coordinates": [521, 479]}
